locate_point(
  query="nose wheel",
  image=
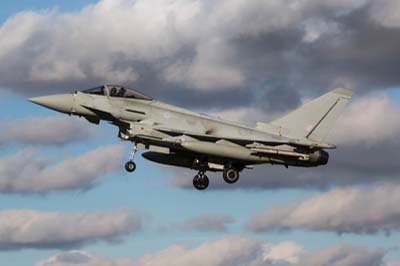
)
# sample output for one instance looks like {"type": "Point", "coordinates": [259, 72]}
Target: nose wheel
{"type": "Point", "coordinates": [200, 181]}
{"type": "Point", "coordinates": [130, 165]}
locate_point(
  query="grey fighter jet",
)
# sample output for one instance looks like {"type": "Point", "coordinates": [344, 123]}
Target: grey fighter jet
{"type": "Point", "coordinates": [179, 137]}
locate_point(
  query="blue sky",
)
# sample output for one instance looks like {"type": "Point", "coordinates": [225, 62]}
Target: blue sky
{"type": "Point", "coordinates": [149, 190]}
{"type": "Point", "coordinates": [9, 9]}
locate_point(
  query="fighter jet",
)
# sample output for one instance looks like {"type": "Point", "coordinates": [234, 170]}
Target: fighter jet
{"type": "Point", "coordinates": [179, 137]}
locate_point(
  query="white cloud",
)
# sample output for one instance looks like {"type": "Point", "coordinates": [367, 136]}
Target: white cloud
{"type": "Point", "coordinates": [350, 210]}
{"type": "Point", "coordinates": [114, 31]}
{"type": "Point", "coordinates": [386, 13]}
{"type": "Point", "coordinates": [26, 172]}
{"type": "Point", "coordinates": [209, 69]}
{"type": "Point", "coordinates": [190, 42]}
{"type": "Point", "coordinates": [233, 251]}
{"type": "Point", "coordinates": [52, 130]}
{"type": "Point", "coordinates": [370, 120]}
{"type": "Point", "coordinates": [16, 31]}
{"type": "Point", "coordinates": [35, 229]}
{"type": "Point", "coordinates": [287, 251]}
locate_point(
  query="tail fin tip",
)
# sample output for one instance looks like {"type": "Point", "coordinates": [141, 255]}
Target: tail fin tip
{"type": "Point", "coordinates": [344, 92]}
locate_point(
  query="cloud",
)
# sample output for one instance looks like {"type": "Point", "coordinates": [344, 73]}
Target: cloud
{"type": "Point", "coordinates": [27, 172]}
{"type": "Point", "coordinates": [386, 13]}
{"type": "Point", "coordinates": [287, 252]}
{"type": "Point", "coordinates": [52, 130]}
{"type": "Point", "coordinates": [350, 210]}
{"type": "Point", "coordinates": [136, 31]}
{"type": "Point", "coordinates": [35, 229]}
{"type": "Point", "coordinates": [208, 223]}
{"type": "Point", "coordinates": [233, 251]}
{"type": "Point", "coordinates": [369, 126]}
{"type": "Point", "coordinates": [206, 50]}
{"type": "Point", "coordinates": [370, 120]}
{"type": "Point", "coordinates": [208, 71]}
{"type": "Point", "coordinates": [345, 255]}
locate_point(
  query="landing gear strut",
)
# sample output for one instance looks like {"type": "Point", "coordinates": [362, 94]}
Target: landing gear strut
{"type": "Point", "coordinates": [130, 166]}
{"type": "Point", "coordinates": [231, 175]}
{"type": "Point", "coordinates": [200, 181]}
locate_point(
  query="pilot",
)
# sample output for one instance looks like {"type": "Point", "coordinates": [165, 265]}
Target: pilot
{"type": "Point", "coordinates": [121, 92]}
{"type": "Point", "coordinates": [113, 92]}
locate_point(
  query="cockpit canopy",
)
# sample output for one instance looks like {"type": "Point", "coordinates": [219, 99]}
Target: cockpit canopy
{"type": "Point", "coordinates": [117, 91]}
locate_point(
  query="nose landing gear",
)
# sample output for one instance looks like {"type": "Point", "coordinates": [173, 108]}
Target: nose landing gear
{"type": "Point", "coordinates": [200, 181]}
{"type": "Point", "coordinates": [130, 166]}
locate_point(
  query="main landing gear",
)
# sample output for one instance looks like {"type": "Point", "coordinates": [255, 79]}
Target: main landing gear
{"type": "Point", "coordinates": [200, 181]}
{"type": "Point", "coordinates": [130, 166]}
{"type": "Point", "coordinates": [230, 175]}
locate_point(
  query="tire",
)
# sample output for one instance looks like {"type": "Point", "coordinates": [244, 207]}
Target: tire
{"type": "Point", "coordinates": [201, 182]}
{"type": "Point", "coordinates": [231, 175]}
{"type": "Point", "coordinates": [130, 166]}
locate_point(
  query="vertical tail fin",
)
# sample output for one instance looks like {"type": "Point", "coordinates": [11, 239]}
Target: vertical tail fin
{"type": "Point", "coordinates": [315, 119]}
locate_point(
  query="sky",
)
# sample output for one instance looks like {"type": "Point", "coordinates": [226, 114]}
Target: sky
{"type": "Point", "coordinates": [65, 199]}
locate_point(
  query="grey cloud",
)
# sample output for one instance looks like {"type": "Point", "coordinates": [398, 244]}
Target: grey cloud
{"type": "Point", "coordinates": [35, 229]}
{"type": "Point", "coordinates": [351, 210]}
{"type": "Point", "coordinates": [233, 251]}
{"type": "Point", "coordinates": [27, 172]}
{"type": "Point", "coordinates": [346, 58]}
{"type": "Point", "coordinates": [52, 130]}
{"type": "Point", "coordinates": [220, 49]}
{"type": "Point", "coordinates": [385, 13]}
{"type": "Point", "coordinates": [208, 70]}
{"type": "Point", "coordinates": [366, 135]}
{"type": "Point", "coordinates": [279, 99]}
{"type": "Point", "coordinates": [208, 223]}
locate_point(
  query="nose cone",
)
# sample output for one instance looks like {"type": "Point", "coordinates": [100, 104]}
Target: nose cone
{"type": "Point", "coordinates": [61, 103]}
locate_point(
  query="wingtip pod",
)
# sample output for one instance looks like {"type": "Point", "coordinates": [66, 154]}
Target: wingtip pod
{"type": "Point", "coordinates": [344, 92]}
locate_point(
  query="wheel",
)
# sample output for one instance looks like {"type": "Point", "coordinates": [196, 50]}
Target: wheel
{"type": "Point", "coordinates": [130, 166]}
{"type": "Point", "coordinates": [201, 182]}
{"type": "Point", "coordinates": [231, 175]}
